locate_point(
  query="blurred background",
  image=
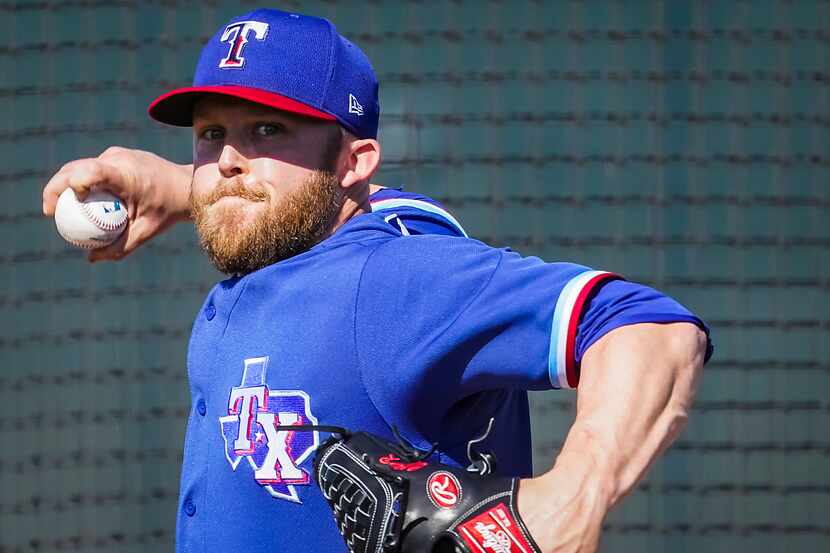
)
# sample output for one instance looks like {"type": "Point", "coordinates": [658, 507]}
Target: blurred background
{"type": "Point", "coordinates": [682, 144]}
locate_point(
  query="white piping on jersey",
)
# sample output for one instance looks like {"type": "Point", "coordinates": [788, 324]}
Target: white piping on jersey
{"type": "Point", "coordinates": [404, 230]}
{"type": "Point", "coordinates": [557, 355]}
{"type": "Point", "coordinates": [393, 203]}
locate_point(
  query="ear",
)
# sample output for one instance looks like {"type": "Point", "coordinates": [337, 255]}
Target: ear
{"type": "Point", "coordinates": [362, 160]}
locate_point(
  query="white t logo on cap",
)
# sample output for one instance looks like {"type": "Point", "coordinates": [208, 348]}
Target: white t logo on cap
{"type": "Point", "coordinates": [237, 35]}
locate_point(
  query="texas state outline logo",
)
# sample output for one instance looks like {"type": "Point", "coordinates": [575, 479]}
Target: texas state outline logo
{"type": "Point", "coordinates": [250, 432]}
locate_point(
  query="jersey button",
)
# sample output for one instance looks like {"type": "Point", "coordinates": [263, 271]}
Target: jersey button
{"type": "Point", "coordinates": [189, 507]}
{"type": "Point", "coordinates": [201, 407]}
{"type": "Point", "coordinates": [210, 312]}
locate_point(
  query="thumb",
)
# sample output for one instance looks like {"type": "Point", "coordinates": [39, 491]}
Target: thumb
{"type": "Point", "coordinates": [111, 252]}
{"type": "Point", "coordinates": [137, 232]}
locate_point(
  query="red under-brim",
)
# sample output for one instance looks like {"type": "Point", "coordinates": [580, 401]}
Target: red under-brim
{"type": "Point", "coordinates": [176, 107]}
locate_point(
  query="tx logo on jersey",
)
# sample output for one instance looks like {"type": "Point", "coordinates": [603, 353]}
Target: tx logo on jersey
{"type": "Point", "coordinates": [236, 34]}
{"type": "Point", "coordinates": [249, 430]}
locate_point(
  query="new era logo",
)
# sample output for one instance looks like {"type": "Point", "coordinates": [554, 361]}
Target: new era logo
{"type": "Point", "coordinates": [354, 105]}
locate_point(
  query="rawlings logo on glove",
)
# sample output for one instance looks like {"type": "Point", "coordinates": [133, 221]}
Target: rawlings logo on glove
{"type": "Point", "coordinates": [387, 498]}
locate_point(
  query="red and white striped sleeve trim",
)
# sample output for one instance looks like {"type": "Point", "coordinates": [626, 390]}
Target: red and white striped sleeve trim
{"type": "Point", "coordinates": [562, 368]}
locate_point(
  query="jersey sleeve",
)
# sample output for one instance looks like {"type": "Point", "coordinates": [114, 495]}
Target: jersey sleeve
{"type": "Point", "coordinates": [618, 303]}
{"type": "Point", "coordinates": [455, 316]}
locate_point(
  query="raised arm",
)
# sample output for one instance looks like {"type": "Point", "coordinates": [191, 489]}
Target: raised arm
{"type": "Point", "coordinates": [157, 193]}
{"type": "Point", "coordinates": [635, 393]}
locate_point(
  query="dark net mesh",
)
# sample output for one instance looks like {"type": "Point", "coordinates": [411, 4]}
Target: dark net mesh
{"type": "Point", "coordinates": [681, 144]}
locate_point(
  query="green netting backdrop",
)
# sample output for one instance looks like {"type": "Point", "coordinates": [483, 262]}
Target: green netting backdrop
{"type": "Point", "coordinates": [683, 144]}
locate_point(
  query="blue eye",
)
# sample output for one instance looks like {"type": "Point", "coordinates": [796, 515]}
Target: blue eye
{"type": "Point", "coordinates": [212, 134]}
{"type": "Point", "coordinates": [268, 129]}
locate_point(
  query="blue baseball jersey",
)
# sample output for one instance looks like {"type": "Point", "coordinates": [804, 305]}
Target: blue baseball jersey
{"type": "Point", "coordinates": [397, 319]}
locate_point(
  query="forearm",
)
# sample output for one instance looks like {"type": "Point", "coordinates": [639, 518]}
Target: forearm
{"type": "Point", "coordinates": [635, 393]}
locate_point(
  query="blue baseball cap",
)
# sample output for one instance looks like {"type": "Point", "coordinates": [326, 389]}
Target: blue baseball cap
{"type": "Point", "coordinates": [288, 61]}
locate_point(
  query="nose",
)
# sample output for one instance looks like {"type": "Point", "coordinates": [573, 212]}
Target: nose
{"type": "Point", "coordinates": [232, 163]}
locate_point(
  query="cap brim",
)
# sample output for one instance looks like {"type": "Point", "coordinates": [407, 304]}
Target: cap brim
{"type": "Point", "coordinates": [176, 107]}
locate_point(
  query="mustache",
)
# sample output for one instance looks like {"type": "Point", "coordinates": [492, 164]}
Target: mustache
{"type": "Point", "coordinates": [235, 188]}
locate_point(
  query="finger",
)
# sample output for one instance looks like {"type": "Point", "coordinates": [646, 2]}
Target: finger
{"type": "Point", "coordinates": [95, 174]}
{"type": "Point", "coordinates": [56, 185]}
{"type": "Point", "coordinates": [71, 173]}
{"type": "Point", "coordinates": [81, 175]}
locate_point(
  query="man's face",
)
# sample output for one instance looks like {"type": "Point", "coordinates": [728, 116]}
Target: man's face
{"type": "Point", "coordinates": [264, 182]}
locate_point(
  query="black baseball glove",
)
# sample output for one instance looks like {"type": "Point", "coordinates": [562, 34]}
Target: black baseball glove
{"type": "Point", "coordinates": [387, 498]}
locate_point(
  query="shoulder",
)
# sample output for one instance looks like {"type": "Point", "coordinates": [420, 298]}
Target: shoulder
{"type": "Point", "coordinates": [419, 214]}
{"type": "Point", "coordinates": [433, 254]}
{"type": "Point", "coordinates": [424, 279]}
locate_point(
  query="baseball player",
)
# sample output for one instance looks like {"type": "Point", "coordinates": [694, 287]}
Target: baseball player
{"type": "Point", "coordinates": [369, 308]}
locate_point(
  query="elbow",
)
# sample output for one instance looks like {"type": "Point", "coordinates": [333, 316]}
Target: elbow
{"type": "Point", "coordinates": [684, 347]}
{"type": "Point", "coordinates": [686, 344]}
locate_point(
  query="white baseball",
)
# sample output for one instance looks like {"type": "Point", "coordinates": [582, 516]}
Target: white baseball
{"type": "Point", "coordinates": [95, 222]}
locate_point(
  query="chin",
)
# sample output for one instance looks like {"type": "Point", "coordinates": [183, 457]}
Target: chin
{"type": "Point", "coordinates": [242, 236]}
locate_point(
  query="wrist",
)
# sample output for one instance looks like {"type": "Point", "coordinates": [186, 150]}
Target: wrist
{"type": "Point", "coordinates": [565, 508]}
{"type": "Point", "coordinates": [183, 177]}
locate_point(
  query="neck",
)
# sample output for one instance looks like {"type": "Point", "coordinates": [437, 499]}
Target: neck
{"type": "Point", "coordinates": [356, 203]}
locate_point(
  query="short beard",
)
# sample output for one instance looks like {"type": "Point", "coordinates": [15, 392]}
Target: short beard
{"type": "Point", "coordinates": [292, 226]}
